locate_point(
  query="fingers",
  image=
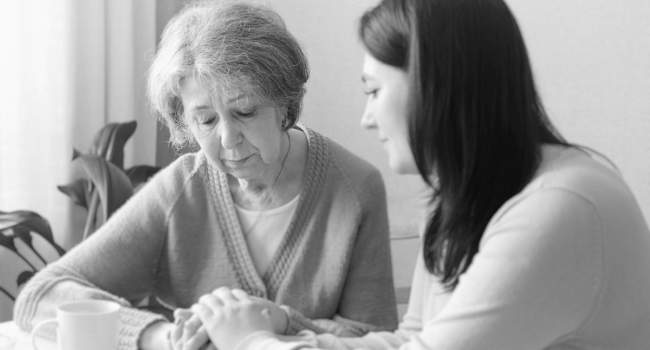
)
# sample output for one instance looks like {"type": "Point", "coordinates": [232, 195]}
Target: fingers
{"type": "Point", "coordinates": [225, 296]}
{"type": "Point", "coordinates": [177, 335]}
{"type": "Point", "coordinates": [209, 301]}
{"type": "Point", "coordinates": [189, 319]}
{"type": "Point", "coordinates": [260, 301]}
{"type": "Point", "coordinates": [185, 334]}
{"type": "Point", "coordinates": [212, 303]}
{"type": "Point", "coordinates": [204, 312]}
{"type": "Point", "coordinates": [266, 313]}
{"type": "Point", "coordinates": [187, 325]}
{"type": "Point", "coordinates": [199, 339]}
{"type": "Point", "coordinates": [222, 301]}
{"type": "Point", "coordinates": [240, 295]}
{"type": "Point", "coordinates": [182, 314]}
{"type": "Point", "coordinates": [183, 338]}
{"type": "Point", "coordinates": [212, 306]}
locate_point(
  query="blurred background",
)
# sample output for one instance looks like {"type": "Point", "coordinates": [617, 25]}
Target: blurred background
{"type": "Point", "coordinates": [68, 67]}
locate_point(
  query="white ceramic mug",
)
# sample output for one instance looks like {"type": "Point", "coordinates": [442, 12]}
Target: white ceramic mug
{"type": "Point", "coordinates": [6, 343]}
{"type": "Point", "coordinates": [84, 325]}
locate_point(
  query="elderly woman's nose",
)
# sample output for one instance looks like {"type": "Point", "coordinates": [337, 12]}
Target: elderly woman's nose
{"type": "Point", "coordinates": [230, 134]}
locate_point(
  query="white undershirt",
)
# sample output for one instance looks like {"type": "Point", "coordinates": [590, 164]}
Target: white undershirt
{"type": "Point", "coordinates": [264, 231]}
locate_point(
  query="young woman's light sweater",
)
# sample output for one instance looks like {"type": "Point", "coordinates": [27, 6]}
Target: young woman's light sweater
{"type": "Point", "coordinates": [179, 238]}
{"type": "Point", "coordinates": [564, 264]}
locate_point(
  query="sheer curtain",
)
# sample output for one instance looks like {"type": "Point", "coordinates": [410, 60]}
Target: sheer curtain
{"type": "Point", "coordinates": [68, 67]}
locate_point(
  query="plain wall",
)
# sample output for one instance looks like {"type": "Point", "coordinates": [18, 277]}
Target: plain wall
{"type": "Point", "coordinates": [592, 64]}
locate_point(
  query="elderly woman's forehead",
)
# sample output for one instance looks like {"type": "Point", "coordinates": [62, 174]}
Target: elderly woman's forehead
{"type": "Point", "coordinates": [228, 89]}
{"type": "Point", "coordinates": [237, 90]}
{"type": "Point", "coordinates": [240, 94]}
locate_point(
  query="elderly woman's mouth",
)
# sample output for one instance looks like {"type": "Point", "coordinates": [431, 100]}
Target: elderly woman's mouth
{"type": "Point", "coordinates": [236, 162]}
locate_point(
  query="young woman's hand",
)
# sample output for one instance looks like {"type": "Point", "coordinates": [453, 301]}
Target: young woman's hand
{"type": "Point", "coordinates": [277, 315]}
{"type": "Point", "coordinates": [230, 316]}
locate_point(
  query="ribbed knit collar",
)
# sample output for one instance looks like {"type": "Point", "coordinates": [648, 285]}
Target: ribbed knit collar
{"type": "Point", "coordinates": [267, 285]}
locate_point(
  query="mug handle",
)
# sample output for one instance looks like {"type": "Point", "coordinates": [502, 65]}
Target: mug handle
{"type": "Point", "coordinates": [38, 328]}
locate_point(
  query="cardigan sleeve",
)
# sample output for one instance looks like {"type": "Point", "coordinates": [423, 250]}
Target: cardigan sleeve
{"type": "Point", "coordinates": [118, 262]}
{"type": "Point", "coordinates": [534, 282]}
{"type": "Point", "coordinates": [410, 325]}
{"type": "Point", "coordinates": [367, 302]}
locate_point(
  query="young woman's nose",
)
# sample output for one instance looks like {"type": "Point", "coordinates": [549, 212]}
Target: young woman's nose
{"type": "Point", "coordinates": [367, 120]}
{"type": "Point", "coordinates": [230, 134]}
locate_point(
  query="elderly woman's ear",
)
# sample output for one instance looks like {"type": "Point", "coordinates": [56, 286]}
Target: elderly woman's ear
{"type": "Point", "coordinates": [285, 121]}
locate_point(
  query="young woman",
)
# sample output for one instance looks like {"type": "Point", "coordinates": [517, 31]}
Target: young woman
{"type": "Point", "coordinates": [531, 243]}
{"type": "Point", "coordinates": [265, 205]}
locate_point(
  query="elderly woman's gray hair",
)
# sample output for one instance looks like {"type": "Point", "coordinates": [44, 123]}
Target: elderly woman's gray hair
{"type": "Point", "coordinates": [226, 43]}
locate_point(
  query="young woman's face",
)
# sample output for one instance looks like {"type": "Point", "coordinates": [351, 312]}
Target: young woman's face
{"type": "Point", "coordinates": [239, 132]}
{"type": "Point", "coordinates": [386, 111]}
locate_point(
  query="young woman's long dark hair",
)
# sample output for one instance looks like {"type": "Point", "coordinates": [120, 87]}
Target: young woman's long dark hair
{"type": "Point", "coordinates": [476, 123]}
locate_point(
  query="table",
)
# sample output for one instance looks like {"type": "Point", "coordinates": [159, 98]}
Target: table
{"type": "Point", "coordinates": [23, 341]}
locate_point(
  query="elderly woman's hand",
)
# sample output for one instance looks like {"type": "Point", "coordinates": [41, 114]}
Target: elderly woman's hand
{"type": "Point", "coordinates": [189, 333]}
{"type": "Point", "coordinates": [230, 316]}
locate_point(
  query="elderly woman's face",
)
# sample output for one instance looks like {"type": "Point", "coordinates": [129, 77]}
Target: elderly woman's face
{"type": "Point", "coordinates": [240, 132]}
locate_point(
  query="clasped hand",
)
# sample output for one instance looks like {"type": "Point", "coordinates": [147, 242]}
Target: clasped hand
{"type": "Point", "coordinates": [223, 318]}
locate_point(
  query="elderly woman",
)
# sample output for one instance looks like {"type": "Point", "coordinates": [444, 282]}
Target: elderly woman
{"type": "Point", "coordinates": [265, 205]}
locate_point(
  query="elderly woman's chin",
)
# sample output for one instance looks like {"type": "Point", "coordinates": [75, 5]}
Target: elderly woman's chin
{"type": "Point", "coordinates": [248, 169]}
{"type": "Point", "coordinates": [247, 174]}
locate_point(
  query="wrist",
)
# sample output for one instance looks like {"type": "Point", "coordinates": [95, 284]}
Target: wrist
{"type": "Point", "coordinates": [255, 340]}
{"type": "Point", "coordinates": [286, 321]}
{"type": "Point", "coordinates": [286, 310]}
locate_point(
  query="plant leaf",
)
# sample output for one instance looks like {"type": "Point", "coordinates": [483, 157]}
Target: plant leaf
{"type": "Point", "coordinates": [111, 183]}
{"type": "Point", "coordinates": [19, 224]}
{"type": "Point", "coordinates": [11, 265]}
{"type": "Point", "coordinates": [75, 153]}
{"type": "Point", "coordinates": [28, 219]}
{"type": "Point", "coordinates": [109, 141]}
{"type": "Point", "coordinates": [77, 191]}
{"type": "Point", "coordinates": [24, 277]}
{"type": "Point", "coordinates": [140, 174]}
{"type": "Point", "coordinates": [43, 248]}
{"type": "Point", "coordinates": [26, 251]}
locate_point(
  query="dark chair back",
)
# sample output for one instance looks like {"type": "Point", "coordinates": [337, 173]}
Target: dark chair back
{"type": "Point", "coordinates": [26, 246]}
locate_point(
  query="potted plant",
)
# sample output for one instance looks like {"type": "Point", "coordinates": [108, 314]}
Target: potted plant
{"type": "Point", "coordinates": [100, 183]}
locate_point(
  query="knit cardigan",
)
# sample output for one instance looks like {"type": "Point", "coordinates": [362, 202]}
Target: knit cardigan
{"type": "Point", "coordinates": [179, 238]}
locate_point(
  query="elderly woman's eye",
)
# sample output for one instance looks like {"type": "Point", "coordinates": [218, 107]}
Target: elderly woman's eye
{"type": "Point", "coordinates": [206, 120]}
{"type": "Point", "coordinates": [245, 113]}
